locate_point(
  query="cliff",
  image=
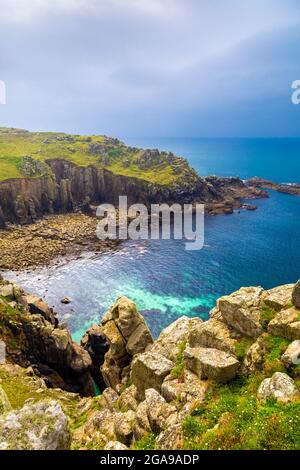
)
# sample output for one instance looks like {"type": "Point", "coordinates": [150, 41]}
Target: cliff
{"type": "Point", "coordinates": [231, 382]}
{"type": "Point", "coordinates": [46, 173]}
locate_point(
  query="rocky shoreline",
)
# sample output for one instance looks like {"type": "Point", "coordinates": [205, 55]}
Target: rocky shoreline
{"type": "Point", "coordinates": [231, 382]}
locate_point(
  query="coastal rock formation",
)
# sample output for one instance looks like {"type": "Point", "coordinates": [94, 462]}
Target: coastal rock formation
{"type": "Point", "coordinates": [296, 295]}
{"type": "Point", "coordinates": [167, 394]}
{"type": "Point", "coordinates": [42, 426]}
{"type": "Point", "coordinates": [280, 386]}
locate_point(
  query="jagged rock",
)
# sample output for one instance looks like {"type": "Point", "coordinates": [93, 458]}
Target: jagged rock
{"type": "Point", "coordinates": [116, 340]}
{"type": "Point", "coordinates": [279, 386]}
{"type": "Point", "coordinates": [211, 363]}
{"type": "Point", "coordinates": [4, 402]}
{"type": "Point", "coordinates": [123, 426]}
{"type": "Point", "coordinates": [42, 426]}
{"type": "Point", "coordinates": [279, 298]}
{"type": "Point", "coordinates": [37, 306]}
{"type": "Point", "coordinates": [141, 426]}
{"type": "Point", "coordinates": [186, 390]}
{"type": "Point", "coordinates": [296, 294]}
{"type": "Point", "coordinates": [148, 370]}
{"type": "Point", "coordinates": [254, 357]}
{"type": "Point", "coordinates": [286, 324]}
{"type": "Point", "coordinates": [291, 356]}
{"type": "Point", "coordinates": [170, 439]}
{"type": "Point", "coordinates": [139, 340]}
{"type": "Point", "coordinates": [241, 310]}
{"type": "Point", "coordinates": [213, 334]}
{"type": "Point", "coordinates": [111, 398]}
{"type": "Point", "coordinates": [115, 445]}
{"type": "Point", "coordinates": [128, 399]}
{"type": "Point", "coordinates": [102, 421]}
{"type": "Point", "coordinates": [111, 371]}
{"type": "Point", "coordinates": [175, 334]}
{"type": "Point", "coordinates": [158, 410]}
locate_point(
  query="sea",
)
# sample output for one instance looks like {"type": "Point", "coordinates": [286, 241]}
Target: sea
{"type": "Point", "coordinates": [166, 281]}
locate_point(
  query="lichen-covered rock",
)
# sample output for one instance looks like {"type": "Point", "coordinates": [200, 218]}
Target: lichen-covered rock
{"type": "Point", "coordinates": [123, 426]}
{"type": "Point", "coordinates": [128, 399]}
{"type": "Point", "coordinates": [185, 389]}
{"type": "Point", "coordinates": [254, 357]}
{"type": "Point", "coordinates": [213, 334]}
{"type": "Point", "coordinates": [110, 397]}
{"type": "Point", "coordinates": [241, 310]}
{"type": "Point", "coordinates": [4, 402]}
{"type": "Point", "coordinates": [115, 445]}
{"type": "Point", "coordinates": [7, 290]}
{"type": "Point", "coordinates": [102, 421]}
{"type": "Point", "coordinates": [42, 426]}
{"type": "Point", "coordinates": [291, 356]}
{"type": "Point", "coordinates": [158, 411]}
{"type": "Point", "coordinates": [139, 340]}
{"type": "Point", "coordinates": [279, 386]}
{"type": "Point", "coordinates": [296, 294]}
{"type": "Point", "coordinates": [170, 439]}
{"type": "Point", "coordinates": [141, 426]}
{"type": "Point", "coordinates": [148, 370]}
{"type": "Point", "coordinates": [175, 334]}
{"type": "Point", "coordinates": [279, 298]}
{"type": "Point", "coordinates": [211, 363]}
{"type": "Point", "coordinates": [286, 324]}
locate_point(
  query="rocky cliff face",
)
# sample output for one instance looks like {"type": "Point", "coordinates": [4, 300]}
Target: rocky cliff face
{"type": "Point", "coordinates": [231, 382]}
{"type": "Point", "coordinates": [70, 186]}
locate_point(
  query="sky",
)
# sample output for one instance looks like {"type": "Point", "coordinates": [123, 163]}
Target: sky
{"type": "Point", "coordinates": [170, 68]}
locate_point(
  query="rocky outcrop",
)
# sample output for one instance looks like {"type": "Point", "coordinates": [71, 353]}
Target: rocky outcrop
{"type": "Point", "coordinates": [42, 426]}
{"type": "Point", "coordinates": [291, 356]}
{"type": "Point", "coordinates": [209, 363]}
{"type": "Point", "coordinates": [286, 324]}
{"type": "Point", "coordinates": [213, 334]}
{"type": "Point", "coordinates": [296, 295]}
{"type": "Point", "coordinates": [280, 386]}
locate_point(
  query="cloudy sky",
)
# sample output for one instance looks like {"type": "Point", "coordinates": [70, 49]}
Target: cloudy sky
{"type": "Point", "coordinates": [151, 67]}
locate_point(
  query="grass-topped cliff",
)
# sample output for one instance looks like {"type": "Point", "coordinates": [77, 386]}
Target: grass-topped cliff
{"type": "Point", "coordinates": [24, 154]}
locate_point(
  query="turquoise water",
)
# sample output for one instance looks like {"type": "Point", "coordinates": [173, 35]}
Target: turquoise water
{"type": "Point", "coordinates": [245, 248]}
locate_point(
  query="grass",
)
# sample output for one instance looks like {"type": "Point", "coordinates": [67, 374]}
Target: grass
{"type": "Point", "coordinates": [147, 443]}
{"type": "Point", "coordinates": [232, 419]}
{"type": "Point", "coordinates": [100, 151]}
{"type": "Point", "coordinates": [267, 314]}
{"type": "Point", "coordinates": [275, 347]}
{"type": "Point", "coordinates": [242, 346]}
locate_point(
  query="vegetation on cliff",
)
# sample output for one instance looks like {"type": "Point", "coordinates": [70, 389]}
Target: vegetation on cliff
{"type": "Point", "coordinates": [25, 154]}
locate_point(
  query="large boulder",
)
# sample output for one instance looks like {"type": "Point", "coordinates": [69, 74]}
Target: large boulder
{"type": "Point", "coordinates": [127, 335]}
{"type": "Point", "coordinates": [291, 356]}
{"type": "Point", "coordinates": [185, 389]}
{"type": "Point", "coordinates": [123, 426]}
{"type": "Point", "coordinates": [42, 426]}
{"type": "Point", "coordinates": [170, 439]}
{"type": "Point", "coordinates": [211, 363]}
{"type": "Point", "coordinates": [141, 426]}
{"type": "Point", "coordinates": [296, 294]}
{"type": "Point", "coordinates": [279, 386]}
{"type": "Point", "coordinates": [213, 334]}
{"type": "Point", "coordinates": [175, 334]}
{"type": "Point", "coordinates": [241, 310]}
{"type": "Point", "coordinates": [286, 324]}
{"type": "Point", "coordinates": [158, 411]}
{"type": "Point", "coordinates": [148, 370]}
{"type": "Point", "coordinates": [128, 399]}
{"type": "Point", "coordinates": [278, 298]}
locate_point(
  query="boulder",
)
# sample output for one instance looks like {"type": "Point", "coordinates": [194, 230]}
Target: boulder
{"type": "Point", "coordinates": [174, 335]}
{"type": "Point", "coordinates": [139, 340]}
{"type": "Point", "coordinates": [4, 402]}
{"type": "Point", "coordinates": [279, 386]}
{"type": "Point", "coordinates": [123, 426]}
{"type": "Point", "coordinates": [115, 445]}
{"type": "Point", "coordinates": [213, 334]}
{"type": "Point", "coordinates": [241, 310]}
{"type": "Point", "coordinates": [211, 363]}
{"type": "Point", "coordinates": [186, 390]}
{"type": "Point", "coordinates": [286, 324]}
{"type": "Point", "coordinates": [158, 411]}
{"type": "Point", "coordinates": [7, 290]}
{"type": "Point", "coordinates": [37, 306]}
{"type": "Point", "coordinates": [254, 357]}
{"type": "Point", "coordinates": [42, 426]}
{"type": "Point", "coordinates": [141, 426]}
{"type": "Point", "coordinates": [170, 439]}
{"type": "Point", "coordinates": [148, 370]}
{"type": "Point", "coordinates": [102, 422]}
{"type": "Point", "coordinates": [128, 399]}
{"type": "Point", "coordinates": [291, 356]}
{"type": "Point", "coordinates": [110, 397]}
{"type": "Point", "coordinates": [296, 295]}
{"type": "Point", "coordinates": [279, 298]}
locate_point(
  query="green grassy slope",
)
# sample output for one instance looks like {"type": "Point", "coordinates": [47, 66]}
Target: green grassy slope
{"type": "Point", "coordinates": [23, 154]}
